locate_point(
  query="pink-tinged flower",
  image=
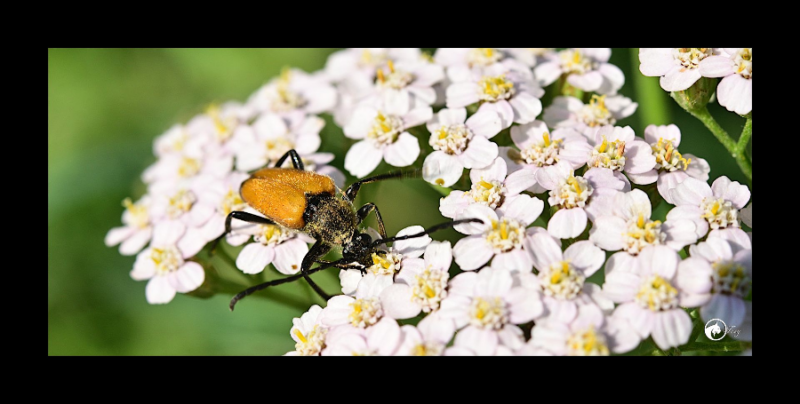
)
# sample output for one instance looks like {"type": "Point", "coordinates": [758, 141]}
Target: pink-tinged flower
{"type": "Point", "coordinates": [389, 263]}
{"type": "Point", "coordinates": [308, 333]}
{"type": "Point", "coordinates": [649, 297]}
{"type": "Point", "coordinates": [679, 68]}
{"type": "Point", "coordinates": [463, 350]}
{"type": "Point", "coordinates": [735, 66]}
{"type": "Point", "coordinates": [272, 135]}
{"type": "Point", "coordinates": [218, 130]}
{"type": "Point", "coordinates": [574, 195]}
{"type": "Point", "coordinates": [509, 93]}
{"type": "Point", "coordinates": [538, 148]}
{"type": "Point", "coordinates": [180, 208]}
{"type": "Point", "coordinates": [744, 332]}
{"type": "Point", "coordinates": [530, 56]}
{"type": "Point", "coordinates": [408, 85]}
{"type": "Point", "coordinates": [275, 245]}
{"type": "Point", "coordinates": [561, 279]}
{"type": "Point", "coordinates": [501, 235]}
{"type": "Point", "coordinates": [671, 167]}
{"type": "Point", "coordinates": [716, 206]}
{"type": "Point", "coordinates": [175, 140]}
{"type": "Point", "coordinates": [221, 197]}
{"type": "Point", "coordinates": [570, 112]}
{"type": "Point", "coordinates": [421, 284]}
{"type": "Point", "coordinates": [581, 338]}
{"type": "Point", "coordinates": [471, 63]}
{"type": "Point", "coordinates": [717, 278]}
{"type": "Point", "coordinates": [485, 308]}
{"type": "Point", "coordinates": [382, 339]}
{"type": "Point", "coordinates": [459, 143]}
{"type": "Point", "coordinates": [138, 228]}
{"type": "Point", "coordinates": [585, 68]}
{"type": "Point", "coordinates": [382, 136]}
{"type": "Point", "coordinates": [428, 338]}
{"type": "Point", "coordinates": [294, 90]}
{"type": "Point", "coordinates": [176, 170]}
{"type": "Point", "coordinates": [625, 225]}
{"type": "Point", "coordinates": [363, 310]}
{"type": "Point", "coordinates": [489, 188]}
{"type": "Point", "coordinates": [746, 215]}
{"type": "Point", "coordinates": [618, 149]}
{"type": "Point", "coordinates": [165, 265]}
{"type": "Point", "coordinates": [347, 63]}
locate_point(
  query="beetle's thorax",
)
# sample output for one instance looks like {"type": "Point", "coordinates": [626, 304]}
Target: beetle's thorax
{"type": "Point", "coordinates": [329, 219]}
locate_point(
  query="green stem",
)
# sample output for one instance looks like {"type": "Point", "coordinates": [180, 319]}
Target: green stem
{"type": "Point", "coordinates": [741, 158]}
{"type": "Point", "coordinates": [744, 138]}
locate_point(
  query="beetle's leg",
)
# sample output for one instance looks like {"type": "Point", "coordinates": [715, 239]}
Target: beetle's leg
{"type": "Point", "coordinates": [352, 190]}
{"type": "Point", "coordinates": [318, 250]}
{"type": "Point", "coordinates": [297, 162]}
{"type": "Point", "coordinates": [241, 295]}
{"type": "Point", "coordinates": [364, 211]}
{"type": "Point", "coordinates": [243, 216]}
{"type": "Point", "coordinates": [429, 230]}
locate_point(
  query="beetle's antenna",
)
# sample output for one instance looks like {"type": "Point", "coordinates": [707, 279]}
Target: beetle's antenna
{"type": "Point", "coordinates": [352, 190]}
{"type": "Point", "coordinates": [429, 230]}
{"type": "Point", "coordinates": [241, 295]}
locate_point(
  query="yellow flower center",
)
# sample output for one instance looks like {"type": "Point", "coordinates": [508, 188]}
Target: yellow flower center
{"type": "Point", "coordinates": [188, 167]}
{"type": "Point", "coordinates": [311, 344]}
{"type": "Point", "coordinates": [641, 233]}
{"type": "Point", "coordinates": [137, 214]}
{"type": "Point", "coordinates": [429, 289]}
{"type": "Point", "coordinates": [657, 294]}
{"type": "Point", "coordinates": [385, 129]}
{"type": "Point", "coordinates": [731, 278]}
{"type": "Point", "coordinates": [389, 264]}
{"type": "Point", "coordinates": [488, 313]}
{"type": "Point", "coordinates": [180, 203]}
{"type": "Point", "coordinates": [542, 153]}
{"type": "Point", "coordinates": [667, 156]}
{"type": "Point", "coordinates": [571, 193]}
{"type": "Point", "coordinates": [587, 343]}
{"type": "Point", "coordinates": [505, 235]}
{"type": "Point", "coordinates": [719, 213]}
{"type": "Point", "coordinates": [365, 312]}
{"type": "Point", "coordinates": [609, 155]}
{"type": "Point", "coordinates": [690, 57]}
{"type": "Point", "coordinates": [452, 139]}
{"type": "Point", "coordinates": [167, 259]}
{"type": "Point", "coordinates": [573, 61]}
{"type": "Point", "coordinates": [744, 63]}
{"type": "Point", "coordinates": [495, 88]}
{"type": "Point", "coordinates": [482, 57]}
{"type": "Point", "coordinates": [561, 281]}
{"type": "Point", "coordinates": [595, 113]}
{"type": "Point", "coordinates": [487, 193]}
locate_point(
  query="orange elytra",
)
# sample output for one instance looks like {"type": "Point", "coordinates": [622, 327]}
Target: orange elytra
{"type": "Point", "coordinates": [280, 193]}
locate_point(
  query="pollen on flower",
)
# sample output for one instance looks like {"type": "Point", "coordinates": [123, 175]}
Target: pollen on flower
{"type": "Point", "coordinates": [482, 57]}
{"type": "Point", "coordinates": [389, 264]}
{"type": "Point", "coordinates": [542, 153]}
{"type": "Point", "coordinates": [230, 202]}
{"type": "Point", "coordinates": [366, 312]}
{"type": "Point", "coordinates": [667, 156]}
{"type": "Point", "coordinates": [596, 113]}
{"type": "Point", "coordinates": [452, 139]}
{"type": "Point", "coordinates": [487, 193]}
{"type": "Point", "coordinates": [136, 214]}
{"type": "Point", "coordinates": [587, 343]}
{"type": "Point", "coordinates": [282, 97]}
{"type": "Point", "coordinates": [490, 313]}
{"type": "Point", "coordinates": [495, 88]}
{"type": "Point", "coordinates": [166, 259]}
{"type": "Point", "coordinates": [719, 213]}
{"type": "Point", "coordinates": [312, 343]}
{"type": "Point", "coordinates": [641, 233]}
{"type": "Point", "coordinates": [690, 57]}
{"type": "Point", "coordinates": [429, 289]}
{"type": "Point", "coordinates": [573, 61]}
{"type": "Point", "coordinates": [188, 167]}
{"type": "Point", "coordinates": [276, 148]}
{"type": "Point", "coordinates": [561, 281]}
{"type": "Point", "coordinates": [385, 129]}
{"type": "Point", "coordinates": [609, 155]}
{"type": "Point", "coordinates": [731, 278]}
{"type": "Point", "coordinates": [429, 348]}
{"type": "Point", "coordinates": [744, 62]}
{"type": "Point", "coordinates": [505, 235]}
{"type": "Point", "coordinates": [271, 234]}
{"type": "Point", "coordinates": [395, 79]}
{"type": "Point", "coordinates": [571, 193]}
{"type": "Point", "coordinates": [657, 294]}
{"type": "Point", "coordinates": [223, 127]}
{"type": "Point", "coordinates": [370, 59]}
{"type": "Point", "coordinates": [181, 202]}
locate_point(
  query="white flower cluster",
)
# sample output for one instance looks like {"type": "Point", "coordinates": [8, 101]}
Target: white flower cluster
{"type": "Point", "coordinates": [556, 208]}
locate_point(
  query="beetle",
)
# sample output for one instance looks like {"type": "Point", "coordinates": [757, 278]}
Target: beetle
{"type": "Point", "coordinates": [306, 201]}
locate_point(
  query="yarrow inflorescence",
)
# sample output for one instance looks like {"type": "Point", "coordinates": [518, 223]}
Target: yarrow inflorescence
{"type": "Point", "coordinates": [579, 234]}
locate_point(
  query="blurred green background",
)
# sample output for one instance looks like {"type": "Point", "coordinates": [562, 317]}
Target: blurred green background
{"type": "Point", "coordinates": [105, 107]}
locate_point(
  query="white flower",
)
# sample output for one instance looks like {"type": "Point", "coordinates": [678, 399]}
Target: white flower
{"type": "Point", "coordinates": [404, 86]}
{"type": "Point", "coordinates": [274, 244]}
{"type": "Point", "coordinates": [138, 228]}
{"type": "Point", "coordinates": [272, 135]}
{"type": "Point", "coordinates": [165, 265]}
{"type": "Point", "coordinates": [509, 93]}
{"type": "Point", "coordinates": [294, 90]}
{"type": "Point", "coordinates": [489, 188]}
{"type": "Point", "coordinates": [459, 143]}
{"type": "Point", "coordinates": [531, 56]}
{"type": "Point", "coordinates": [625, 224]}
{"type": "Point", "coordinates": [428, 338]}
{"type": "Point", "coordinates": [382, 136]}
{"type": "Point", "coordinates": [716, 206]}
{"type": "Point", "coordinates": [671, 167]}
{"type": "Point", "coordinates": [574, 195]}
{"type": "Point", "coordinates": [421, 284]}
{"type": "Point", "coordinates": [382, 339]}
{"type": "Point", "coordinates": [501, 235]}
{"type": "Point", "coordinates": [679, 68]}
{"type": "Point", "coordinates": [485, 307]}
{"type": "Point", "coordinates": [581, 338]}
{"type": "Point", "coordinates": [649, 297]}
{"type": "Point", "coordinates": [361, 311]}
{"type": "Point", "coordinates": [561, 279]}
{"type": "Point", "coordinates": [570, 112]}
{"type": "Point", "coordinates": [618, 149]}
{"type": "Point", "coordinates": [735, 66]}
{"type": "Point", "coordinates": [585, 68]}
{"type": "Point", "coordinates": [308, 333]}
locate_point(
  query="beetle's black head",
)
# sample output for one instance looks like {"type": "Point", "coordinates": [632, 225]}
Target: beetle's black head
{"type": "Point", "coordinates": [358, 249]}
